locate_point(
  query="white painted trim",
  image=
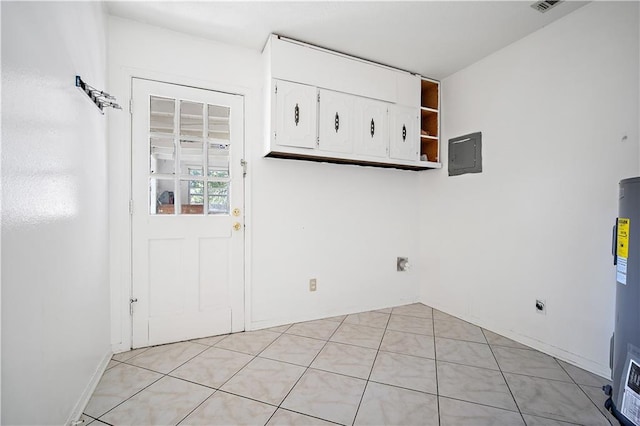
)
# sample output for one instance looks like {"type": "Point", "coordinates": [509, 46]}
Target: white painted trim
{"type": "Point", "coordinates": [499, 328]}
{"type": "Point", "coordinates": [120, 229]}
{"type": "Point", "coordinates": [78, 409]}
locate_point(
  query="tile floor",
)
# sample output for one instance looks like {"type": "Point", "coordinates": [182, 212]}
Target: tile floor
{"type": "Point", "coordinates": [408, 365]}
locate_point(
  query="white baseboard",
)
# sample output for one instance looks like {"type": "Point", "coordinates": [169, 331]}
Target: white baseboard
{"type": "Point", "coordinates": [76, 413]}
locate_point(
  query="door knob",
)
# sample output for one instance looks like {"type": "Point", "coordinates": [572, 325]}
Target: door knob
{"type": "Point", "coordinates": [236, 212]}
{"type": "Point", "coordinates": [237, 226]}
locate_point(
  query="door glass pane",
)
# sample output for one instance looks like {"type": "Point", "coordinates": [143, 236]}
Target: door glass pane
{"type": "Point", "coordinates": [191, 156]}
{"type": "Point", "coordinates": [191, 119]}
{"type": "Point", "coordinates": [161, 118]}
{"type": "Point", "coordinates": [218, 160]}
{"type": "Point", "coordinates": [218, 122]}
{"type": "Point", "coordinates": [162, 156]}
{"type": "Point", "coordinates": [161, 192]}
{"type": "Point", "coordinates": [218, 197]}
{"type": "Point", "coordinates": [192, 196]}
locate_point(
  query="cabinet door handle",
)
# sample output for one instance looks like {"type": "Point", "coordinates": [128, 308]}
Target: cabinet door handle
{"type": "Point", "coordinates": [296, 114]}
{"type": "Point", "coordinates": [404, 133]}
{"type": "Point", "coordinates": [337, 122]}
{"type": "Point", "coordinates": [373, 127]}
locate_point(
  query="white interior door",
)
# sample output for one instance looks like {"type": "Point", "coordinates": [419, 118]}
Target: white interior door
{"type": "Point", "coordinates": [188, 210]}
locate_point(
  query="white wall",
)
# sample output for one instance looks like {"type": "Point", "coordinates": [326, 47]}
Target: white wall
{"type": "Point", "coordinates": [553, 109]}
{"type": "Point", "coordinates": [55, 294]}
{"type": "Point", "coordinates": [344, 225]}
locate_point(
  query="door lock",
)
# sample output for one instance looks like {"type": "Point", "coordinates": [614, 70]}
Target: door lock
{"type": "Point", "coordinates": [237, 226]}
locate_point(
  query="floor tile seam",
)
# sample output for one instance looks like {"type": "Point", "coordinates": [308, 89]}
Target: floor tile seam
{"type": "Point", "coordinates": [468, 365]}
{"type": "Point", "coordinates": [308, 367]}
{"type": "Point", "coordinates": [582, 390]}
{"type": "Point", "coordinates": [336, 373]}
{"type": "Point", "coordinates": [541, 378]}
{"type": "Point", "coordinates": [403, 353]}
{"type": "Point", "coordinates": [513, 397]}
{"type": "Point", "coordinates": [363, 325]}
{"type": "Point", "coordinates": [403, 387]}
{"type": "Point", "coordinates": [511, 347]}
{"type": "Point", "coordinates": [193, 357]}
{"type": "Point", "coordinates": [308, 337]}
{"type": "Point", "coordinates": [197, 406]}
{"type": "Point", "coordinates": [412, 316]}
{"type": "Point", "coordinates": [354, 345]}
{"type": "Point", "coordinates": [554, 419]}
{"type": "Point", "coordinates": [127, 399]}
{"type": "Point", "coordinates": [145, 349]}
{"type": "Point", "coordinates": [517, 411]}
{"type": "Point", "coordinates": [410, 332]}
{"type": "Point", "coordinates": [462, 340]}
{"type": "Point", "coordinates": [373, 364]}
{"type": "Point", "coordinates": [276, 406]}
{"type": "Point", "coordinates": [435, 361]}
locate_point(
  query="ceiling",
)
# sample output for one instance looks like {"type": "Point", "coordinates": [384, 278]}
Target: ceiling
{"type": "Point", "coordinates": [432, 38]}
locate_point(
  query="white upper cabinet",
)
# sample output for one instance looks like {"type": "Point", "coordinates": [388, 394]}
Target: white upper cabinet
{"type": "Point", "coordinates": [295, 114]}
{"type": "Point", "coordinates": [337, 122]}
{"type": "Point", "coordinates": [403, 133]}
{"type": "Point", "coordinates": [372, 128]}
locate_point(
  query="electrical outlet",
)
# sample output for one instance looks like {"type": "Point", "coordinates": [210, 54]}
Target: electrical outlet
{"type": "Point", "coordinates": [313, 284]}
{"type": "Point", "coordinates": [541, 306]}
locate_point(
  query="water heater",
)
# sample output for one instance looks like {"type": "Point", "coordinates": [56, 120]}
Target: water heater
{"type": "Point", "coordinates": [624, 402]}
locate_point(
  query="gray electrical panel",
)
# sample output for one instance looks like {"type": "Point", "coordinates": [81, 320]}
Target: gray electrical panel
{"type": "Point", "coordinates": [465, 154]}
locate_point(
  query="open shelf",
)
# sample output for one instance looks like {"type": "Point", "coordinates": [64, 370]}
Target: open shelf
{"type": "Point", "coordinates": [430, 121]}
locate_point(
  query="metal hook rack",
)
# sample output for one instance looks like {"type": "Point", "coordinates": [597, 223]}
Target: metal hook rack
{"type": "Point", "coordinates": [100, 98]}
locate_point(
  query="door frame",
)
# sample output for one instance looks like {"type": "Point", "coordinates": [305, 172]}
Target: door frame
{"type": "Point", "coordinates": [119, 176]}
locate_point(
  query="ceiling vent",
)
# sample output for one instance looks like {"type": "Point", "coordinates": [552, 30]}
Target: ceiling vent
{"type": "Point", "coordinates": [544, 6]}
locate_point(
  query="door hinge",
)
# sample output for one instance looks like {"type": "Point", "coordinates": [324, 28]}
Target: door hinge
{"type": "Point", "coordinates": [131, 302]}
{"type": "Point", "coordinates": [275, 135]}
{"type": "Point", "coordinates": [276, 88]}
{"type": "Point", "coordinates": [130, 207]}
{"type": "Point", "coordinates": [131, 106]}
{"type": "Point", "coordinates": [318, 141]}
{"type": "Point", "coordinates": [243, 163]}
{"type": "Point", "coordinates": [318, 96]}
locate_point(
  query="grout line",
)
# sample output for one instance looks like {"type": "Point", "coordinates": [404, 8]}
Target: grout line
{"type": "Point", "coordinates": [582, 390]}
{"type": "Point", "coordinates": [505, 380]}
{"type": "Point", "coordinates": [435, 360]}
{"type": "Point", "coordinates": [366, 383]}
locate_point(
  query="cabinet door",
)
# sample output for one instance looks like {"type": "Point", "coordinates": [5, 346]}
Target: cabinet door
{"type": "Point", "coordinates": [296, 114]}
{"type": "Point", "coordinates": [404, 136]}
{"type": "Point", "coordinates": [336, 128]}
{"type": "Point", "coordinates": [372, 137]}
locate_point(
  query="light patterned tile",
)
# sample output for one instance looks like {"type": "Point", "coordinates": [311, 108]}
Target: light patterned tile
{"type": "Point", "coordinates": [318, 329]}
{"type": "Point", "coordinates": [112, 364]}
{"type": "Point", "coordinates": [409, 324]}
{"type": "Point", "coordinates": [165, 402]}
{"type": "Point", "coordinates": [406, 371]}
{"type": "Point", "coordinates": [414, 310]}
{"type": "Point", "coordinates": [116, 385]}
{"type": "Point", "coordinates": [371, 319]}
{"type": "Point", "coordinates": [583, 377]}
{"type": "Point", "coordinates": [212, 367]}
{"type": "Point", "coordinates": [359, 335]}
{"type": "Point", "coordinates": [388, 405]}
{"type": "Point", "coordinates": [85, 419]}
{"type": "Point", "coordinates": [338, 318]}
{"type": "Point", "coordinates": [294, 349]}
{"type": "Point", "coordinates": [250, 342]}
{"type": "Point", "coordinates": [383, 311]}
{"type": "Point", "coordinates": [441, 315]}
{"type": "Point", "coordinates": [529, 363]}
{"type": "Point", "coordinates": [325, 395]}
{"type": "Point", "coordinates": [598, 397]}
{"type": "Point", "coordinates": [223, 409]}
{"type": "Point", "coordinates": [498, 340]}
{"type": "Point", "coordinates": [460, 413]}
{"type": "Point", "coordinates": [165, 358]}
{"type": "Point", "coordinates": [349, 360]}
{"type": "Point", "coordinates": [123, 356]}
{"type": "Point", "coordinates": [289, 418]}
{"type": "Point", "coordinates": [541, 421]}
{"type": "Point", "coordinates": [408, 344]}
{"type": "Point", "coordinates": [279, 328]}
{"type": "Point", "coordinates": [554, 399]}
{"type": "Point", "coordinates": [460, 330]}
{"type": "Point", "coordinates": [264, 380]}
{"type": "Point", "coordinates": [473, 384]}
{"type": "Point", "coordinates": [467, 353]}
{"type": "Point", "coordinates": [209, 341]}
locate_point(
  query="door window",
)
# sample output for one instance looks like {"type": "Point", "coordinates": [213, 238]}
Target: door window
{"type": "Point", "coordinates": [185, 139]}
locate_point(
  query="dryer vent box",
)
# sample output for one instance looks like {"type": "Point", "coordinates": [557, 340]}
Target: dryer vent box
{"type": "Point", "coordinates": [465, 154]}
